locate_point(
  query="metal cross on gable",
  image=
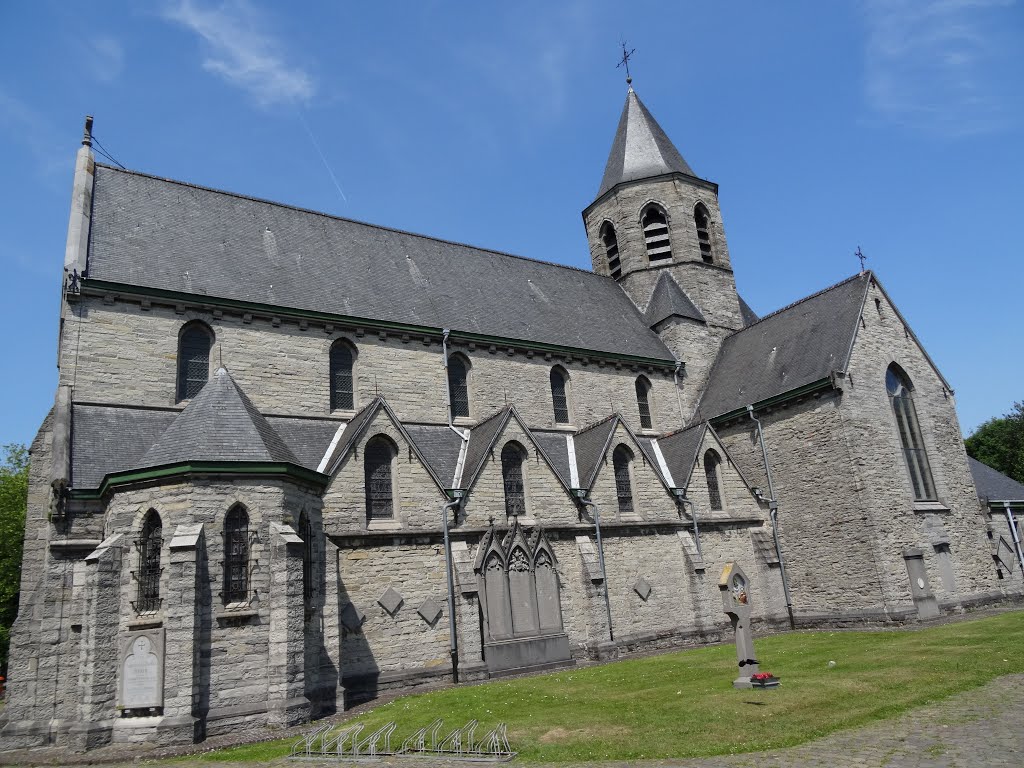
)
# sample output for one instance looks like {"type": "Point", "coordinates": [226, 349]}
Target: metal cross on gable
{"type": "Point", "coordinates": [625, 62]}
{"type": "Point", "coordinates": [862, 258]}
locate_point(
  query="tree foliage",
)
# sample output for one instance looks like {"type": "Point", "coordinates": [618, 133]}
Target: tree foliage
{"type": "Point", "coordinates": [1000, 443]}
{"type": "Point", "coordinates": [13, 503]}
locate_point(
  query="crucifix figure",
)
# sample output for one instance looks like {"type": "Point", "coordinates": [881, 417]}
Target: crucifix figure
{"type": "Point", "coordinates": [860, 256]}
{"type": "Point", "coordinates": [625, 62]}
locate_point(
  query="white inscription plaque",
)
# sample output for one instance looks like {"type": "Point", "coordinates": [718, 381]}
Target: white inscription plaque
{"type": "Point", "coordinates": [142, 679]}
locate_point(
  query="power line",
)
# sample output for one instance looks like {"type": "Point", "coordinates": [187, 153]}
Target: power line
{"type": "Point", "coordinates": [103, 151]}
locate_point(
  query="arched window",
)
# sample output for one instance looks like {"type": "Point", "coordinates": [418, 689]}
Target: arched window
{"type": "Point", "coordinates": [655, 226]}
{"type": "Point", "coordinates": [703, 223]}
{"type": "Point", "coordinates": [149, 545]}
{"type": "Point", "coordinates": [306, 534]}
{"type": "Point", "coordinates": [621, 459]}
{"type": "Point", "coordinates": [377, 460]}
{"type": "Point", "coordinates": [711, 464]}
{"type": "Point", "coordinates": [236, 555]}
{"type": "Point", "coordinates": [458, 385]}
{"type": "Point", "coordinates": [342, 391]}
{"type": "Point", "coordinates": [643, 401]}
{"type": "Point", "coordinates": [194, 345]}
{"type": "Point", "coordinates": [611, 249]}
{"type": "Point", "coordinates": [901, 393]}
{"type": "Point", "coordinates": [559, 395]}
{"type": "Point", "coordinates": [512, 457]}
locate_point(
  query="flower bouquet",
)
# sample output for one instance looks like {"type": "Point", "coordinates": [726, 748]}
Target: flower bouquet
{"type": "Point", "coordinates": [764, 680]}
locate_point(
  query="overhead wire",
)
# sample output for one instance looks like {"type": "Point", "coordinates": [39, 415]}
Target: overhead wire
{"type": "Point", "coordinates": [103, 151]}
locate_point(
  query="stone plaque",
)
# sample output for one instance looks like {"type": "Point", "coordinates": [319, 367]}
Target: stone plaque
{"type": "Point", "coordinates": [142, 670]}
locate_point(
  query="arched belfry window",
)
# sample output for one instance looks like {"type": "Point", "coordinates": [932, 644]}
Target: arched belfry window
{"type": "Point", "coordinates": [611, 249]}
{"type": "Point", "coordinates": [712, 463]}
{"type": "Point", "coordinates": [702, 221]}
{"type": "Point", "coordinates": [901, 393]}
{"type": "Point", "coordinates": [149, 544]}
{"type": "Point", "coordinates": [655, 226]}
{"type": "Point", "coordinates": [622, 457]}
{"type": "Point", "coordinates": [194, 345]}
{"type": "Point", "coordinates": [236, 555]}
{"type": "Point", "coordinates": [458, 385]}
{"type": "Point", "coordinates": [560, 395]}
{"type": "Point", "coordinates": [643, 401]}
{"type": "Point", "coordinates": [342, 390]}
{"type": "Point", "coordinates": [512, 458]}
{"type": "Point", "coordinates": [378, 459]}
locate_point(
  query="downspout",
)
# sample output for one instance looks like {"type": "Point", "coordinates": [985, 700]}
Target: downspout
{"type": "Point", "coordinates": [600, 556]}
{"type": "Point", "coordinates": [1013, 532]}
{"type": "Point", "coordinates": [693, 515]}
{"type": "Point", "coordinates": [773, 513]}
{"type": "Point", "coordinates": [453, 643]}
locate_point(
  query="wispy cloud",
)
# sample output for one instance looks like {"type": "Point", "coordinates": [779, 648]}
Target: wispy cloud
{"type": "Point", "coordinates": [930, 64]}
{"type": "Point", "coordinates": [24, 126]}
{"type": "Point", "coordinates": [239, 50]}
{"type": "Point", "coordinates": [105, 58]}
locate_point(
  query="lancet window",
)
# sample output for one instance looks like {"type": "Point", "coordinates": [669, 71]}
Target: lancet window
{"type": "Point", "coordinates": [712, 464]}
{"type": "Point", "coordinates": [342, 385]}
{"type": "Point", "coordinates": [150, 544]}
{"type": "Point", "coordinates": [236, 555]}
{"type": "Point", "coordinates": [194, 345]}
{"type": "Point", "coordinates": [901, 393]}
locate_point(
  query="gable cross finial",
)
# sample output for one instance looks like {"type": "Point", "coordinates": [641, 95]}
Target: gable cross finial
{"type": "Point", "coordinates": [862, 258]}
{"type": "Point", "coordinates": [625, 62]}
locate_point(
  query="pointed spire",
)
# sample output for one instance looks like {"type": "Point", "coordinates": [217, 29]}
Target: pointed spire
{"type": "Point", "coordinates": [641, 149]}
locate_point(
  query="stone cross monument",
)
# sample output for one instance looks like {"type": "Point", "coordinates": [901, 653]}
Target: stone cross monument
{"type": "Point", "coordinates": [734, 586]}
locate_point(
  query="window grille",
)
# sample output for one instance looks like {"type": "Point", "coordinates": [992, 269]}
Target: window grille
{"type": "Point", "coordinates": [611, 249]}
{"type": "Point", "coordinates": [458, 386]}
{"type": "Point", "coordinates": [193, 360]}
{"type": "Point", "coordinates": [149, 545]}
{"type": "Point", "coordinates": [379, 493]}
{"type": "Point", "coordinates": [901, 392]}
{"type": "Point", "coordinates": [558, 397]}
{"type": "Point", "coordinates": [701, 220]}
{"type": "Point", "coordinates": [512, 475]}
{"type": "Point", "coordinates": [643, 402]}
{"type": "Point", "coordinates": [621, 459]}
{"type": "Point", "coordinates": [236, 556]}
{"type": "Point", "coordinates": [342, 390]}
{"type": "Point", "coordinates": [655, 226]}
{"type": "Point", "coordinates": [711, 464]}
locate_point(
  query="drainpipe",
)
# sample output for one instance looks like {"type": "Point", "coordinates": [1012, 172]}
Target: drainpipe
{"type": "Point", "coordinates": [773, 514]}
{"type": "Point", "coordinates": [600, 556]}
{"type": "Point", "coordinates": [680, 365]}
{"type": "Point", "coordinates": [1013, 532]}
{"type": "Point", "coordinates": [464, 434]}
{"type": "Point", "coordinates": [693, 514]}
{"type": "Point", "coordinates": [453, 643]}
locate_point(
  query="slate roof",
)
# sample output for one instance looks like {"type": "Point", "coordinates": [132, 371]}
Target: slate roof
{"type": "Point", "coordinates": [108, 439]}
{"type": "Point", "coordinates": [669, 300]}
{"type": "Point", "coordinates": [747, 315]}
{"type": "Point", "coordinates": [993, 485]}
{"type": "Point", "coordinates": [173, 236]}
{"type": "Point", "coordinates": [797, 345]}
{"type": "Point", "coordinates": [480, 439]}
{"type": "Point", "coordinates": [590, 448]}
{"type": "Point", "coordinates": [219, 424]}
{"type": "Point", "coordinates": [640, 149]}
{"type": "Point", "coordinates": [680, 452]}
{"type": "Point", "coordinates": [554, 446]}
{"type": "Point", "coordinates": [307, 439]}
{"type": "Point", "coordinates": [440, 448]}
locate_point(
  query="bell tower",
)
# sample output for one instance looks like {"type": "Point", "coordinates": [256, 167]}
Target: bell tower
{"type": "Point", "coordinates": [653, 216]}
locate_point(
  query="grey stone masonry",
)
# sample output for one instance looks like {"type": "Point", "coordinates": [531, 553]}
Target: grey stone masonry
{"type": "Point", "coordinates": [286, 700]}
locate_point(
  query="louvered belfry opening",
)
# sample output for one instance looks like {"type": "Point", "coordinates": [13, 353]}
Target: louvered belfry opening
{"type": "Point", "coordinates": [458, 386]}
{"type": "Point", "coordinates": [643, 401]}
{"type": "Point", "coordinates": [149, 545]}
{"type": "Point", "coordinates": [512, 456]}
{"type": "Point", "coordinates": [901, 392]}
{"type": "Point", "coordinates": [236, 555]}
{"type": "Point", "coordinates": [194, 347]}
{"type": "Point", "coordinates": [702, 221]}
{"type": "Point", "coordinates": [342, 390]}
{"type": "Point", "coordinates": [379, 492]}
{"type": "Point", "coordinates": [559, 397]}
{"type": "Point", "coordinates": [611, 249]}
{"type": "Point", "coordinates": [655, 225]}
{"type": "Point", "coordinates": [711, 464]}
{"type": "Point", "coordinates": [621, 460]}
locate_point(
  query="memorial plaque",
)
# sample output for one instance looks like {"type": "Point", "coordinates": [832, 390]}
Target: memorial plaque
{"type": "Point", "coordinates": [142, 670]}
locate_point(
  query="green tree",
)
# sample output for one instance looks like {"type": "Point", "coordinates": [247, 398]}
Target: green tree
{"type": "Point", "coordinates": [1000, 443]}
{"type": "Point", "coordinates": [13, 503]}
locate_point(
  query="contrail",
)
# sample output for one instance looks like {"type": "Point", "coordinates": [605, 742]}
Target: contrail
{"type": "Point", "coordinates": [327, 165]}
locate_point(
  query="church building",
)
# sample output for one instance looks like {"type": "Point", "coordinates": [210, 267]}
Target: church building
{"type": "Point", "coordinates": [295, 460]}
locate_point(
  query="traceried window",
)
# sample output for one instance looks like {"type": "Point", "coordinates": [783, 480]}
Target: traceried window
{"type": "Point", "coordinates": [342, 391]}
{"type": "Point", "coordinates": [655, 226]}
{"type": "Point", "coordinates": [712, 463]}
{"type": "Point", "coordinates": [512, 458]}
{"type": "Point", "coordinates": [149, 544]}
{"type": "Point", "coordinates": [458, 385]}
{"type": "Point", "coordinates": [703, 223]}
{"type": "Point", "coordinates": [194, 345]}
{"type": "Point", "coordinates": [306, 534]}
{"type": "Point", "coordinates": [236, 555]}
{"type": "Point", "coordinates": [643, 401]}
{"type": "Point", "coordinates": [901, 393]}
{"type": "Point", "coordinates": [559, 395]}
{"type": "Point", "coordinates": [611, 249]}
{"type": "Point", "coordinates": [622, 457]}
{"type": "Point", "coordinates": [377, 460]}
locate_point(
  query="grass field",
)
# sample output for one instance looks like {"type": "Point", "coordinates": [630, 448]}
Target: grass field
{"type": "Point", "coordinates": [683, 704]}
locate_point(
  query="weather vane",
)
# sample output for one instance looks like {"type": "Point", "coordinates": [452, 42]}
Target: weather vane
{"type": "Point", "coordinates": [860, 256]}
{"type": "Point", "coordinates": [625, 62]}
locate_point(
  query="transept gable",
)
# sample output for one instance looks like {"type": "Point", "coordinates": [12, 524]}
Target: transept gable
{"type": "Point", "coordinates": [595, 442]}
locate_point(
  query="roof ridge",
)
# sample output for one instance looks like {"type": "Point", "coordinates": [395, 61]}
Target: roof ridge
{"type": "Point", "coordinates": [612, 415]}
{"type": "Point", "coordinates": [681, 430]}
{"type": "Point", "coordinates": [334, 217]}
{"type": "Point", "coordinates": [867, 274]}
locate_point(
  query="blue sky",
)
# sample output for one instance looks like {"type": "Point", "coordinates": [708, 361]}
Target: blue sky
{"type": "Point", "coordinates": [893, 125]}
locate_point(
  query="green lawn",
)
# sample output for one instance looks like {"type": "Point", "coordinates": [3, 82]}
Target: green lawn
{"type": "Point", "coordinates": [683, 704]}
